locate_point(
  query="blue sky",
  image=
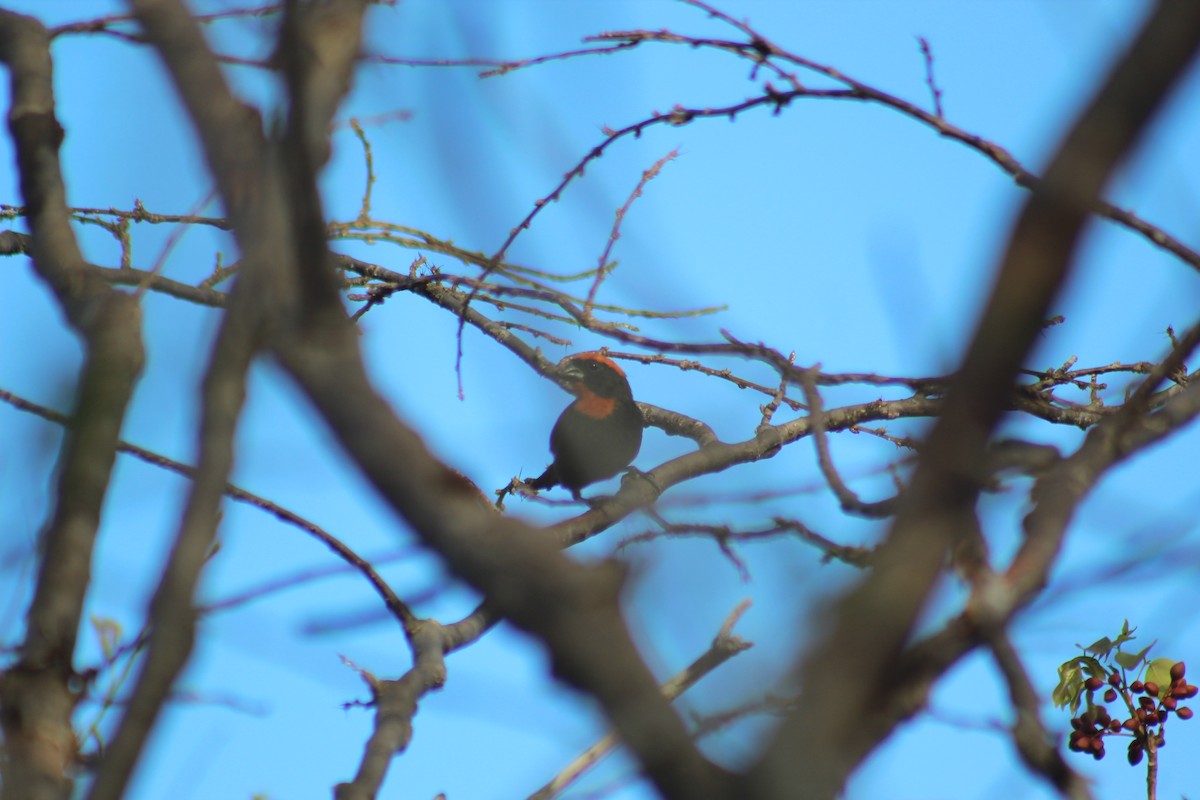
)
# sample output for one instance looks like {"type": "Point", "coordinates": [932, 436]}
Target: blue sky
{"type": "Point", "coordinates": [842, 231]}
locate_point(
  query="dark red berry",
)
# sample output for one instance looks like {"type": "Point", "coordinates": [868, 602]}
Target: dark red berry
{"type": "Point", "coordinates": [1114, 680]}
{"type": "Point", "coordinates": [1114, 725]}
{"type": "Point", "coordinates": [1177, 670]}
{"type": "Point", "coordinates": [1093, 683]}
{"type": "Point", "coordinates": [1110, 696]}
{"type": "Point", "coordinates": [1135, 753]}
{"type": "Point", "coordinates": [1130, 724]}
{"type": "Point", "coordinates": [1191, 690]}
{"type": "Point", "coordinates": [1169, 703]}
{"type": "Point", "coordinates": [1184, 713]}
{"type": "Point", "coordinates": [1152, 688]}
{"type": "Point", "coordinates": [1136, 687]}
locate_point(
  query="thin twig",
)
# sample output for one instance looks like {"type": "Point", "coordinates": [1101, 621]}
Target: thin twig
{"type": "Point", "coordinates": [602, 265]}
{"type": "Point", "coordinates": [850, 501]}
{"type": "Point", "coordinates": [394, 604]}
{"type": "Point", "coordinates": [934, 91]}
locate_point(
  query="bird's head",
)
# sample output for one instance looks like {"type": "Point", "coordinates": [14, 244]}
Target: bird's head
{"type": "Point", "coordinates": [593, 374]}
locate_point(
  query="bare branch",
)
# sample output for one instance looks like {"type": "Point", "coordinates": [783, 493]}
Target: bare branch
{"type": "Point", "coordinates": [761, 52]}
{"type": "Point", "coordinates": [845, 495]}
{"type": "Point", "coordinates": [498, 67]}
{"type": "Point", "coordinates": [934, 91]}
{"type": "Point", "coordinates": [396, 704]}
{"type": "Point", "coordinates": [1039, 752]}
{"type": "Point", "coordinates": [717, 456]}
{"type": "Point", "coordinates": [235, 147]}
{"type": "Point", "coordinates": [602, 264]}
{"type": "Point", "coordinates": [339, 548]}
{"type": "Point", "coordinates": [724, 647]}
{"type": "Point", "coordinates": [872, 622]}
{"type": "Point", "coordinates": [519, 571]}
{"type": "Point", "coordinates": [36, 695]}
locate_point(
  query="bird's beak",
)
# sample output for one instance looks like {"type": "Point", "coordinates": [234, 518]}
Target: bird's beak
{"type": "Point", "coordinates": [569, 372]}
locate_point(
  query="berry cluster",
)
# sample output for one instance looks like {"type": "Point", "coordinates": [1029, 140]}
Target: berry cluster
{"type": "Point", "coordinates": [1149, 706]}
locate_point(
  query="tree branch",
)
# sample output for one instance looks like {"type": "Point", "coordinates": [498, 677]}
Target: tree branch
{"type": "Point", "coordinates": [724, 647]}
{"type": "Point", "coordinates": [236, 149]}
{"type": "Point", "coordinates": [36, 695]}
{"type": "Point", "coordinates": [871, 624]}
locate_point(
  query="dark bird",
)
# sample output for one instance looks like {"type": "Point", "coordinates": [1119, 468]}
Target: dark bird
{"type": "Point", "coordinates": [599, 434]}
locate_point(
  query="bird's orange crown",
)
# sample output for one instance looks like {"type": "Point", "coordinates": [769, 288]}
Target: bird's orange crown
{"type": "Point", "coordinates": [596, 355]}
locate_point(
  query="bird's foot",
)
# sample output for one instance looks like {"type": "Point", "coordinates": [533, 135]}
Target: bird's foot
{"type": "Point", "coordinates": [633, 473]}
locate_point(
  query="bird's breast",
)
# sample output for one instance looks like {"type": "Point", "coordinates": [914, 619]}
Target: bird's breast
{"type": "Point", "coordinates": [593, 405]}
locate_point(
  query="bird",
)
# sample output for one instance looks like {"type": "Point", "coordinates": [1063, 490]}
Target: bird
{"type": "Point", "coordinates": [600, 433]}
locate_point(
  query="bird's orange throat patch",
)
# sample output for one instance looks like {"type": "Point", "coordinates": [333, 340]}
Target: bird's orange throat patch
{"type": "Point", "coordinates": [593, 405]}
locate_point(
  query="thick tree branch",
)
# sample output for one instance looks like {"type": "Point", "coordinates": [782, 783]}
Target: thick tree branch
{"type": "Point", "coordinates": [396, 701]}
{"type": "Point", "coordinates": [36, 695]}
{"type": "Point", "coordinates": [238, 159]}
{"type": "Point", "coordinates": [725, 645]}
{"type": "Point", "coordinates": [286, 302]}
{"type": "Point", "coordinates": [872, 623]}
{"type": "Point", "coordinates": [396, 705]}
{"type": "Point", "coordinates": [172, 611]}
{"type": "Point", "coordinates": [994, 602]}
{"type": "Point", "coordinates": [572, 608]}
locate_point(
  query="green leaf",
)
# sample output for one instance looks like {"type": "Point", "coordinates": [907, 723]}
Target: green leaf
{"type": "Point", "coordinates": [1071, 675]}
{"type": "Point", "coordinates": [1126, 634]}
{"type": "Point", "coordinates": [1159, 672]}
{"type": "Point", "coordinates": [1133, 660]}
{"type": "Point", "coordinates": [1101, 647]}
{"type": "Point", "coordinates": [1093, 667]}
